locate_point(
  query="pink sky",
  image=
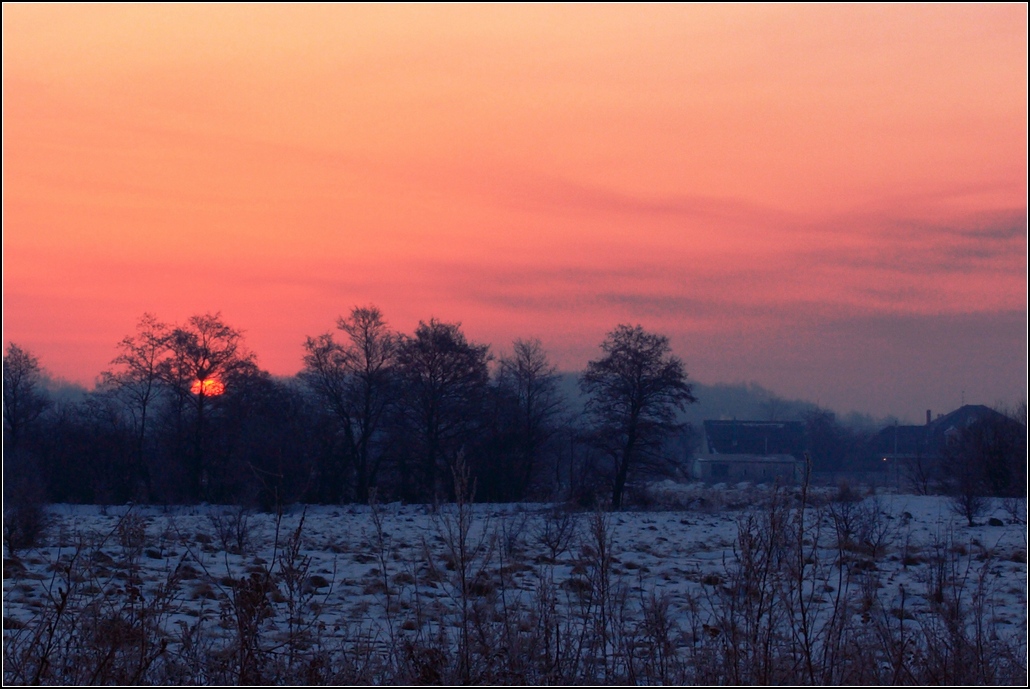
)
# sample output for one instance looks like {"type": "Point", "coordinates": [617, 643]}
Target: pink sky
{"type": "Point", "coordinates": [829, 201]}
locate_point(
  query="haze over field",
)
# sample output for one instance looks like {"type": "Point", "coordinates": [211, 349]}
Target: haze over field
{"type": "Point", "coordinates": [829, 201]}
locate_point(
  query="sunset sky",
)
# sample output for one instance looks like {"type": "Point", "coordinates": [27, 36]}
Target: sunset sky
{"type": "Point", "coordinates": [829, 201]}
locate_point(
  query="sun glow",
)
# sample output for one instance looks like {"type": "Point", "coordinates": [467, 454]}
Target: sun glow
{"type": "Point", "coordinates": [776, 188]}
{"type": "Point", "coordinates": [209, 387]}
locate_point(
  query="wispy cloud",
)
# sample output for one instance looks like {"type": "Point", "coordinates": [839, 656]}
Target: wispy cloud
{"type": "Point", "coordinates": [553, 193]}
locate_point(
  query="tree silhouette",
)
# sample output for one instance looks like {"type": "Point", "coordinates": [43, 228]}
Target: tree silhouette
{"type": "Point", "coordinates": [25, 402]}
{"type": "Point", "coordinates": [985, 458]}
{"type": "Point", "coordinates": [444, 379]}
{"type": "Point", "coordinates": [24, 399]}
{"type": "Point", "coordinates": [355, 381]}
{"type": "Point", "coordinates": [634, 391]}
{"type": "Point", "coordinates": [205, 349]}
{"type": "Point", "coordinates": [136, 384]}
{"type": "Point", "coordinates": [532, 384]}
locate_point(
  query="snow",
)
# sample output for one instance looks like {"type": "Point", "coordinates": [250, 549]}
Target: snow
{"type": "Point", "coordinates": [348, 575]}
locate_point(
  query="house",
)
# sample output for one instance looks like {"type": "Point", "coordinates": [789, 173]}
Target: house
{"type": "Point", "coordinates": [914, 454]}
{"type": "Point", "coordinates": [757, 451]}
{"type": "Point", "coordinates": [905, 444]}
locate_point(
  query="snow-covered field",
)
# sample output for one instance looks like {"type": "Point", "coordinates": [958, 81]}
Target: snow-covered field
{"type": "Point", "coordinates": [408, 592]}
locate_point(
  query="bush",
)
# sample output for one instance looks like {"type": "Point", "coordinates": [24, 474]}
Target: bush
{"type": "Point", "coordinates": [25, 525]}
{"type": "Point", "coordinates": [25, 516]}
{"type": "Point", "coordinates": [232, 527]}
{"type": "Point", "coordinates": [557, 530]}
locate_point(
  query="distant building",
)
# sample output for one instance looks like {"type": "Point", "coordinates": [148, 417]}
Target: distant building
{"type": "Point", "coordinates": [899, 443]}
{"type": "Point", "coordinates": [914, 454]}
{"type": "Point", "coordinates": [756, 451]}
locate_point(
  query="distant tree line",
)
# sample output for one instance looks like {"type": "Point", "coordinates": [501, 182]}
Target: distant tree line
{"type": "Point", "coordinates": [185, 414]}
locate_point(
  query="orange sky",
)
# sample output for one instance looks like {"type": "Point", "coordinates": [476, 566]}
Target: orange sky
{"type": "Point", "coordinates": [830, 201]}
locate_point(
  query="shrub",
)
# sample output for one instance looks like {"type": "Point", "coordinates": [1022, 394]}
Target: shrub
{"type": "Point", "coordinates": [557, 530]}
{"type": "Point", "coordinates": [25, 525]}
{"type": "Point", "coordinates": [232, 529]}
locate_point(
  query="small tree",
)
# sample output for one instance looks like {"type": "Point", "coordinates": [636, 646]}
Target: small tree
{"type": "Point", "coordinates": [24, 399]}
{"type": "Point", "coordinates": [634, 392]}
{"type": "Point", "coordinates": [964, 477]}
{"type": "Point", "coordinates": [982, 459]}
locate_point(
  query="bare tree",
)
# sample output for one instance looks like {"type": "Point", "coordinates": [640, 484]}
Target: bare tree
{"type": "Point", "coordinates": [532, 382]}
{"type": "Point", "coordinates": [206, 354]}
{"type": "Point", "coordinates": [24, 399]}
{"type": "Point", "coordinates": [634, 391]}
{"type": "Point", "coordinates": [25, 517]}
{"type": "Point", "coordinates": [136, 384]}
{"type": "Point", "coordinates": [986, 457]}
{"type": "Point", "coordinates": [965, 479]}
{"type": "Point", "coordinates": [355, 382]}
{"type": "Point", "coordinates": [444, 379]}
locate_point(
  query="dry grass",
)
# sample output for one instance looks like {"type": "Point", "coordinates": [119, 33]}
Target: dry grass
{"type": "Point", "coordinates": [801, 598]}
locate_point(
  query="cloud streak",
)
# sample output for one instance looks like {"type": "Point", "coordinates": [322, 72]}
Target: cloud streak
{"type": "Point", "coordinates": [730, 175]}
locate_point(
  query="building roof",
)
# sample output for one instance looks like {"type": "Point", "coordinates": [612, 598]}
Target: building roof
{"type": "Point", "coordinates": [907, 441]}
{"type": "Point", "coordinates": [755, 438]}
{"type": "Point", "coordinates": [963, 417]}
{"type": "Point", "coordinates": [746, 458]}
{"type": "Point", "coordinates": [927, 439]}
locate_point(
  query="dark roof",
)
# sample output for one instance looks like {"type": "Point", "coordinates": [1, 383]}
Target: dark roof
{"type": "Point", "coordinates": [755, 437]}
{"type": "Point", "coordinates": [961, 418]}
{"type": "Point", "coordinates": [902, 440]}
{"type": "Point", "coordinates": [744, 458]}
{"type": "Point", "coordinates": [927, 439]}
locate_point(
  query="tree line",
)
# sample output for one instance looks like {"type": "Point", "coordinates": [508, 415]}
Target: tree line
{"type": "Point", "coordinates": [185, 414]}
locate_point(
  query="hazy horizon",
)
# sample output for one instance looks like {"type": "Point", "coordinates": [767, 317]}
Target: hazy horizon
{"type": "Point", "coordinates": [715, 400]}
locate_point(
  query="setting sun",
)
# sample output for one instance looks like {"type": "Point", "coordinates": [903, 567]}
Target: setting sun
{"type": "Point", "coordinates": [209, 387]}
